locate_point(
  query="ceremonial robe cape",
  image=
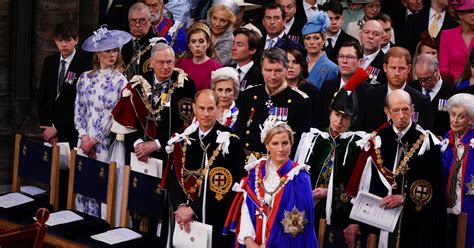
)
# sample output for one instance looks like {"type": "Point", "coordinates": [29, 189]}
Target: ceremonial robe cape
{"type": "Point", "coordinates": [467, 172]}
{"type": "Point", "coordinates": [423, 228]}
{"type": "Point", "coordinates": [295, 194]}
{"type": "Point", "coordinates": [314, 149]}
{"type": "Point", "coordinates": [132, 114]}
{"type": "Point", "coordinates": [223, 173]}
{"type": "Point", "coordinates": [174, 33]}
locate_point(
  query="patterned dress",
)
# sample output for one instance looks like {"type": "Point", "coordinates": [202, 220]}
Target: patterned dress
{"type": "Point", "coordinates": [97, 94]}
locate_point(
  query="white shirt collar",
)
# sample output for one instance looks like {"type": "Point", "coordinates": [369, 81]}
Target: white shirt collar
{"type": "Point", "coordinates": [434, 91]}
{"type": "Point", "coordinates": [385, 48]}
{"type": "Point", "coordinates": [202, 133]}
{"type": "Point", "coordinates": [390, 91]}
{"type": "Point", "coordinates": [333, 38]}
{"type": "Point", "coordinates": [307, 9]}
{"type": "Point", "coordinates": [370, 58]}
{"type": "Point", "coordinates": [245, 68]}
{"type": "Point", "coordinates": [289, 24]}
{"type": "Point", "coordinates": [404, 131]}
{"type": "Point", "coordinates": [68, 58]}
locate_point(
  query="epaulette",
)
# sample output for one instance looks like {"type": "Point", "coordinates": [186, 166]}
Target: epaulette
{"type": "Point", "coordinates": [304, 95]}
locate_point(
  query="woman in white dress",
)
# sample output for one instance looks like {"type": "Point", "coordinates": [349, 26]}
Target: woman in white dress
{"type": "Point", "coordinates": [97, 93]}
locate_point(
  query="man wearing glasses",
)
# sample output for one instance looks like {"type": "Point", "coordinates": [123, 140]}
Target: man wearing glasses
{"type": "Point", "coordinates": [397, 67]}
{"type": "Point", "coordinates": [349, 59]}
{"type": "Point", "coordinates": [136, 53]}
{"type": "Point", "coordinates": [430, 84]}
{"type": "Point", "coordinates": [151, 109]}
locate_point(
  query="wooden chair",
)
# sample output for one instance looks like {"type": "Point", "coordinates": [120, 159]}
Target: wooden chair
{"type": "Point", "coordinates": [33, 162]}
{"type": "Point", "coordinates": [29, 236]}
{"type": "Point", "coordinates": [94, 179]}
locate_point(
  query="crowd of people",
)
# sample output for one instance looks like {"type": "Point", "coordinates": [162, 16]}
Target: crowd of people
{"type": "Point", "coordinates": [272, 118]}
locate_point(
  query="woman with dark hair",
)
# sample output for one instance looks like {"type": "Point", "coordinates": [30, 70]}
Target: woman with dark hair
{"type": "Point", "coordinates": [296, 78]}
{"type": "Point", "coordinates": [199, 63]}
{"type": "Point", "coordinates": [466, 80]}
{"type": "Point", "coordinates": [320, 68]}
{"type": "Point", "coordinates": [426, 45]}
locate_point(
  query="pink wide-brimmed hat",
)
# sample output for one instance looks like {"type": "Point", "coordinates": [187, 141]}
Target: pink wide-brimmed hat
{"type": "Point", "coordinates": [461, 5]}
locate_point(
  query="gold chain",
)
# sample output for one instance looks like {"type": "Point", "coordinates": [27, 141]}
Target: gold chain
{"type": "Point", "coordinates": [403, 166]}
{"type": "Point", "coordinates": [198, 183]}
{"type": "Point", "coordinates": [148, 105]}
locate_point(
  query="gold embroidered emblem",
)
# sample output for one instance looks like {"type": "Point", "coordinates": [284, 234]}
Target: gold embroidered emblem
{"type": "Point", "coordinates": [185, 107]}
{"type": "Point", "coordinates": [470, 186]}
{"type": "Point", "coordinates": [158, 189]}
{"type": "Point", "coordinates": [24, 150]}
{"type": "Point", "coordinates": [344, 198]}
{"type": "Point", "coordinates": [294, 222]}
{"type": "Point", "coordinates": [331, 237]}
{"type": "Point", "coordinates": [146, 66]}
{"type": "Point", "coordinates": [421, 193]}
{"type": "Point", "coordinates": [135, 182]}
{"type": "Point", "coordinates": [102, 172]}
{"type": "Point", "coordinates": [45, 156]}
{"type": "Point", "coordinates": [79, 165]}
{"type": "Point", "coordinates": [220, 181]}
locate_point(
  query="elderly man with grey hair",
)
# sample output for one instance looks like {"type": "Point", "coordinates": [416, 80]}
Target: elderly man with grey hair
{"type": "Point", "coordinates": [225, 82]}
{"type": "Point", "coordinates": [136, 53]}
{"type": "Point", "coordinates": [274, 99]}
{"type": "Point", "coordinates": [152, 108]}
{"type": "Point", "coordinates": [401, 165]}
{"type": "Point", "coordinates": [457, 151]}
{"type": "Point", "coordinates": [430, 83]}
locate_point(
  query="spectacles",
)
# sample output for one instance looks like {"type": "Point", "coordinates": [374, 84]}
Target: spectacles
{"type": "Point", "coordinates": [341, 57]}
{"type": "Point", "coordinates": [141, 21]}
{"type": "Point", "coordinates": [163, 62]}
{"type": "Point", "coordinates": [427, 79]}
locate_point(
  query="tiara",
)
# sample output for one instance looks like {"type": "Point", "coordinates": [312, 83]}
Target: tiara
{"type": "Point", "coordinates": [200, 26]}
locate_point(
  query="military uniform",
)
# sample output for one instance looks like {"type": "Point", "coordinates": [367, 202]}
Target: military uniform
{"type": "Point", "coordinates": [332, 160]}
{"type": "Point", "coordinates": [418, 177]}
{"type": "Point", "coordinates": [255, 105]}
{"type": "Point", "coordinates": [190, 183]}
{"type": "Point", "coordinates": [136, 55]}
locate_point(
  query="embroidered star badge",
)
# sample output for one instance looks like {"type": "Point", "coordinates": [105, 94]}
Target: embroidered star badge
{"type": "Point", "coordinates": [294, 222]}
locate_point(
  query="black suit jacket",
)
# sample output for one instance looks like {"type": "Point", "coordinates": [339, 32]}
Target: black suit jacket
{"type": "Point", "coordinates": [252, 78]}
{"type": "Point", "coordinates": [419, 23]}
{"type": "Point", "coordinates": [440, 114]}
{"type": "Point", "coordinates": [294, 33]}
{"type": "Point", "coordinates": [373, 115]}
{"type": "Point", "coordinates": [58, 110]}
{"type": "Point", "coordinates": [378, 63]}
{"type": "Point", "coordinates": [117, 15]}
{"type": "Point", "coordinates": [329, 90]}
{"type": "Point", "coordinates": [343, 37]}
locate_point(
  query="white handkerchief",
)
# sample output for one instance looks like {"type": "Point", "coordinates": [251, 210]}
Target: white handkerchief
{"type": "Point", "coordinates": [64, 155]}
{"type": "Point", "coordinates": [153, 167]}
{"type": "Point", "coordinates": [13, 199]}
{"type": "Point", "coordinates": [200, 236]}
{"type": "Point", "coordinates": [62, 217]}
{"type": "Point", "coordinates": [116, 236]}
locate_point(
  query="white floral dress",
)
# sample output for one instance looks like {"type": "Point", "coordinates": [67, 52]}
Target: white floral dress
{"type": "Point", "coordinates": [97, 94]}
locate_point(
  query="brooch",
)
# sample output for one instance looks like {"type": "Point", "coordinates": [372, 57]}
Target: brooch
{"type": "Point", "coordinates": [294, 221]}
